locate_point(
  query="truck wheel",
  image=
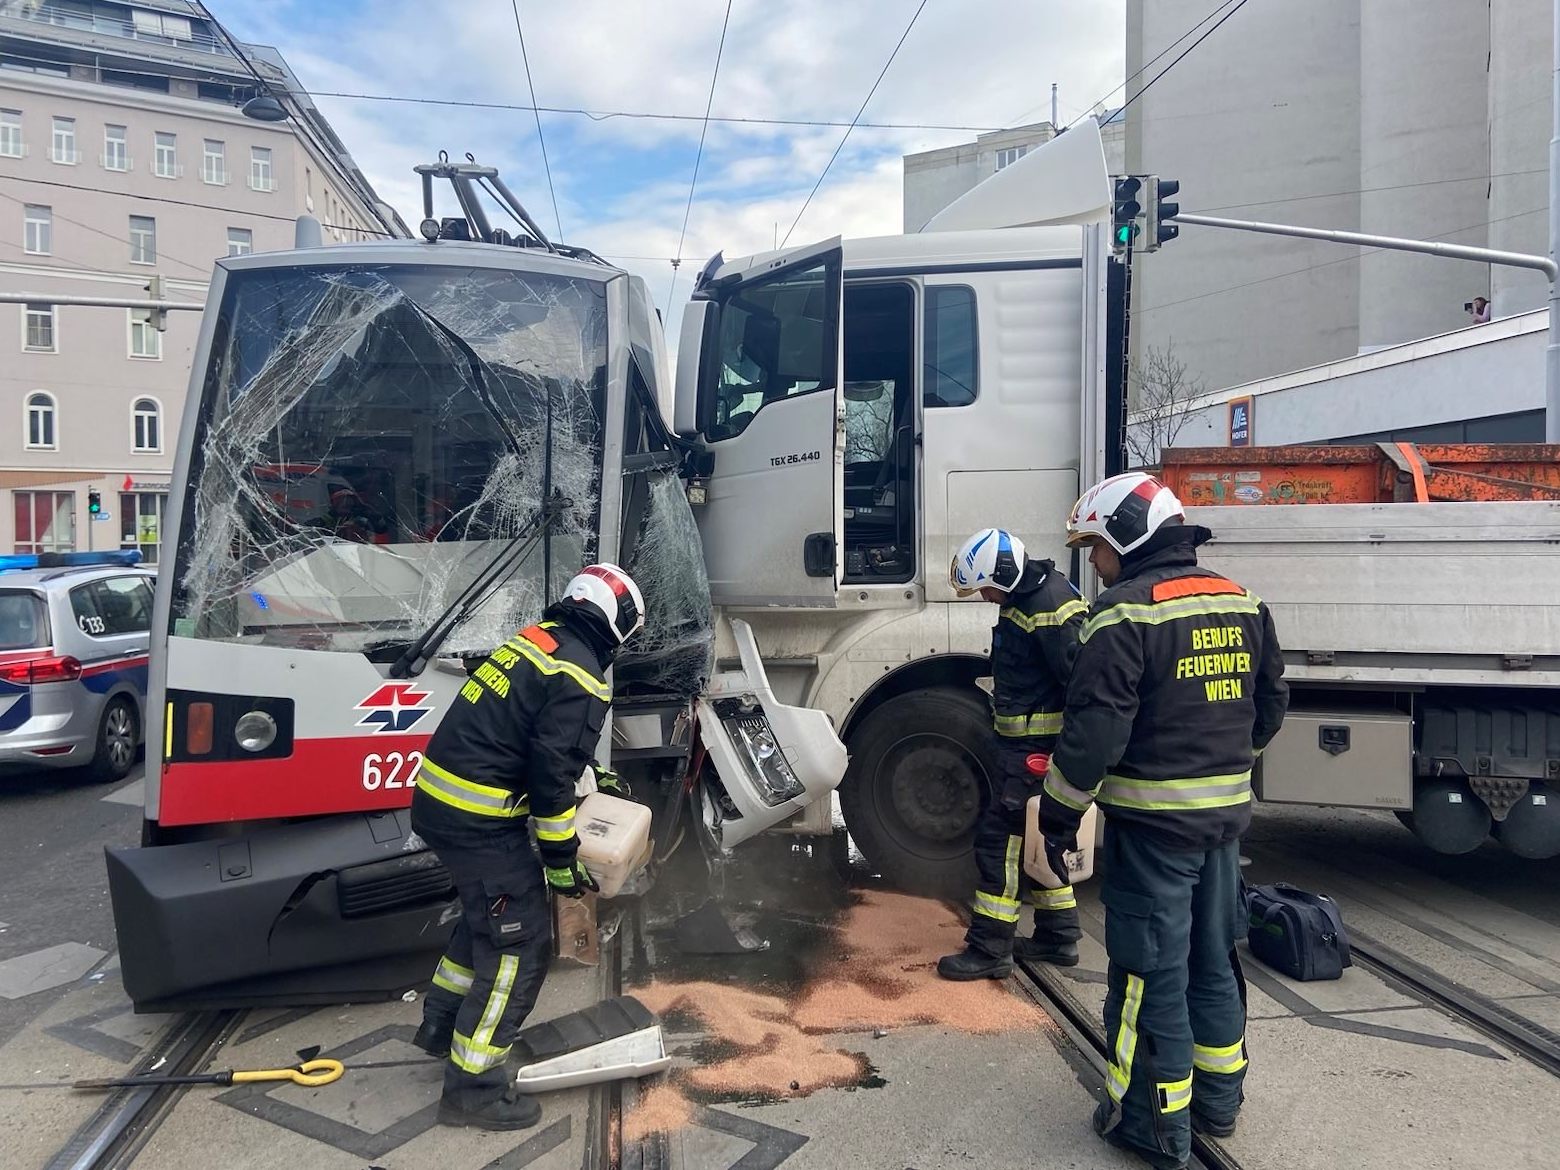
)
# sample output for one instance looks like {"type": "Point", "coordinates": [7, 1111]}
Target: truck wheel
{"type": "Point", "coordinates": [116, 740]}
{"type": "Point", "coordinates": [1448, 817]}
{"type": "Point", "coordinates": [919, 776]}
{"type": "Point", "coordinates": [1532, 827]}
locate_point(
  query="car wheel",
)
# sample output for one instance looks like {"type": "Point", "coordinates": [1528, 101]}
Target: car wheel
{"type": "Point", "coordinates": [116, 743]}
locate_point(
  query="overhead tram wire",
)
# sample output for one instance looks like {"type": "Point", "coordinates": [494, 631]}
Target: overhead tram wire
{"type": "Point", "coordinates": [1149, 84]}
{"type": "Point", "coordinates": [546, 166]}
{"type": "Point", "coordinates": [826, 166]}
{"type": "Point", "coordinates": [699, 157]}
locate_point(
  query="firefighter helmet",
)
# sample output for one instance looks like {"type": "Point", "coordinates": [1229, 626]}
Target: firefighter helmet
{"type": "Point", "coordinates": [991, 558]}
{"type": "Point", "coordinates": [612, 594]}
{"type": "Point", "coordinates": [1123, 511]}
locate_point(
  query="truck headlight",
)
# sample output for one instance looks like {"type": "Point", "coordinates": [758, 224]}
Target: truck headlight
{"type": "Point", "coordinates": [761, 754]}
{"type": "Point", "coordinates": [255, 731]}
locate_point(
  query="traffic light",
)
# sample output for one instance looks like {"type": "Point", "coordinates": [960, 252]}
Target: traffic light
{"type": "Point", "coordinates": [94, 503]}
{"type": "Point", "coordinates": [1160, 212]}
{"type": "Point", "coordinates": [1124, 212]}
{"type": "Point", "coordinates": [156, 290]}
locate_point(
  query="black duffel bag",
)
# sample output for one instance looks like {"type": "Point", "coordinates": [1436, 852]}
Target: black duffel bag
{"type": "Point", "coordinates": [1297, 932]}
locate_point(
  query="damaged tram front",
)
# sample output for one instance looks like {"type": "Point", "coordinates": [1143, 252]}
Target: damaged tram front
{"type": "Point", "coordinates": [393, 456]}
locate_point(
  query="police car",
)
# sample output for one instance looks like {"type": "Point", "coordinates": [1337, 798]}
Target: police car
{"type": "Point", "coordinates": [74, 633]}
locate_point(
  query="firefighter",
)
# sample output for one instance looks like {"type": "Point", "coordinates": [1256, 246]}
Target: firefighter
{"type": "Point", "coordinates": [1177, 688]}
{"type": "Point", "coordinates": [1032, 649]}
{"type": "Point", "coordinates": [521, 731]}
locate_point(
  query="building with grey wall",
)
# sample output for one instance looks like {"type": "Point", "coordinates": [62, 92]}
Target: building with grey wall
{"type": "Point", "coordinates": [1419, 118]}
{"type": "Point", "coordinates": [124, 155]}
{"type": "Point", "coordinates": [935, 178]}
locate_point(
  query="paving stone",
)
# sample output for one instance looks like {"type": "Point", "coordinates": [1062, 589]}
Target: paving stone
{"type": "Point", "coordinates": [47, 969]}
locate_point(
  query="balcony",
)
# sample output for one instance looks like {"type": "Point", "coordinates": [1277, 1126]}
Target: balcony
{"type": "Point", "coordinates": [116, 162]}
{"type": "Point", "coordinates": [262, 183]}
{"type": "Point", "coordinates": [15, 150]}
{"type": "Point", "coordinates": [65, 155]}
{"type": "Point", "coordinates": [214, 176]}
{"type": "Point", "coordinates": [124, 27]}
{"type": "Point", "coordinates": [167, 169]}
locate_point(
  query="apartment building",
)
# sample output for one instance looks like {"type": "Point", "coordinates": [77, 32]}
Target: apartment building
{"type": "Point", "coordinates": [124, 156]}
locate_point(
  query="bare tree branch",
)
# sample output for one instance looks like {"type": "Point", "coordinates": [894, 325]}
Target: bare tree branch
{"type": "Point", "coordinates": [1163, 392]}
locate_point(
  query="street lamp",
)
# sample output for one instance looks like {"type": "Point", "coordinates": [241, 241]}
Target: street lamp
{"type": "Point", "coordinates": [265, 108]}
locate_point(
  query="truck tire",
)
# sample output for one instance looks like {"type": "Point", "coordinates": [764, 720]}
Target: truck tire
{"type": "Point", "coordinates": [1448, 817]}
{"type": "Point", "coordinates": [116, 743]}
{"type": "Point", "coordinates": [919, 777]}
{"type": "Point", "coordinates": [1532, 827]}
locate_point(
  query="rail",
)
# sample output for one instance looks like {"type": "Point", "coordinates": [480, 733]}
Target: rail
{"type": "Point", "coordinates": [183, 34]}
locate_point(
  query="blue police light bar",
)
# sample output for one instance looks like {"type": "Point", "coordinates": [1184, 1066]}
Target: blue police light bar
{"type": "Point", "coordinates": [124, 557]}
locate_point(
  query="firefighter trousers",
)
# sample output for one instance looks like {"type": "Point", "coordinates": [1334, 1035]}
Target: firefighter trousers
{"type": "Point", "coordinates": [1002, 886]}
{"type": "Point", "coordinates": [491, 972]}
{"type": "Point", "coordinates": [1175, 1012]}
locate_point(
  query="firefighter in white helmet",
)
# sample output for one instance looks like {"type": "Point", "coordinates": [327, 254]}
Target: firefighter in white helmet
{"type": "Point", "coordinates": [516, 738]}
{"type": "Point", "coordinates": [1178, 686]}
{"type": "Point", "coordinates": [1033, 645]}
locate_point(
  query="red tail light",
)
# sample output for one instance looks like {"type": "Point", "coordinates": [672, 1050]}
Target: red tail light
{"type": "Point", "coordinates": [43, 669]}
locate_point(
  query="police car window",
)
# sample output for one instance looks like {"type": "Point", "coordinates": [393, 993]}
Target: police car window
{"type": "Point", "coordinates": [117, 606]}
{"type": "Point", "coordinates": [951, 354]}
{"type": "Point", "coordinates": [777, 340]}
{"type": "Point", "coordinates": [24, 623]}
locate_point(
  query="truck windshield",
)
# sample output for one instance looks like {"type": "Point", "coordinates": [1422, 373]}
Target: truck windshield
{"type": "Point", "coordinates": [366, 438]}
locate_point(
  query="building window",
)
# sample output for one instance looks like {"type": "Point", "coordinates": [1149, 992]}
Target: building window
{"type": "Point", "coordinates": [45, 521]}
{"type": "Point", "coordinates": [143, 239]}
{"type": "Point", "coordinates": [140, 522]}
{"type": "Point", "coordinates": [11, 134]}
{"type": "Point", "coordinates": [37, 229]}
{"type": "Point", "coordinates": [241, 241]}
{"type": "Point", "coordinates": [213, 166]}
{"type": "Point", "coordinates": [1009, 155]}
{"type": "Point", "coordinates": [39, 332]}
{"type": "Point", "coordinates": [165, 163]}
{"type": "Point", "coordinates": [41, 422]}
{"type": "Point", "coordinates": [159, 27]}
{"type": "Point", "coordinates": [260, 176]}
{"type": "Point", "coordinates": [145, 340]}
{"type": "Point", "coordinates": [148, 426]}
{"type": "Point", "coordinates": [116, 150]}
{"type": "Point", "coordinates": [65, 141]}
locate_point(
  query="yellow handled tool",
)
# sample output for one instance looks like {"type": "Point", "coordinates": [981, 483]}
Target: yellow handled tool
{"type": "Point", "coordinates": [309, 1072]}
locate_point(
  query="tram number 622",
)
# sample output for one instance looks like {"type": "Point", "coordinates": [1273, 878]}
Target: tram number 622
{"type": "Point", "coordinates": [391, 770]}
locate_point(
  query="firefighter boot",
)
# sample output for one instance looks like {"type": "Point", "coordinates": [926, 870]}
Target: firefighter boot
{"type": "Point", "coordinates": [971, 963]}
{"type": "Point", "coordinates": [1104, 1125]}
{"type": "Point", "coordinates": [1036, 950]}
{"type": "Point", "coordinates": [513, 1110]}
{"type": "Point", "coordinates": [433, 1037]}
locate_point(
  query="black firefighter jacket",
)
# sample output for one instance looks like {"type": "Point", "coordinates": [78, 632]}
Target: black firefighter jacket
{"type": "Point", "coordinates": [1177, 688]}
{"type": "Point", "coordinates": [515, 740]}
{"type": "Point", "coordinates": [1033, 646]}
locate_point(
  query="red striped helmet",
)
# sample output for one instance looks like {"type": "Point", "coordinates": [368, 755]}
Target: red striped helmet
{"type": "Point", "coordinates": [1123, 511]}
{"type": "Point", "coordinates": [612, 593]}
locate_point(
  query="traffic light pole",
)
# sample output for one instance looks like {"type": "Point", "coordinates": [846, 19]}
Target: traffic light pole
{"type": "Point", "coordinates": [1552, 353]}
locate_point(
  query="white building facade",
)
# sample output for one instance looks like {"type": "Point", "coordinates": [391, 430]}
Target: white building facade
{"type": "Point", "coordinates": [124, 156]}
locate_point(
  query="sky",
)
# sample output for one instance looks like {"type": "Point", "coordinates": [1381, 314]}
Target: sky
{"type": "Point", "coordinates": [622, 184]}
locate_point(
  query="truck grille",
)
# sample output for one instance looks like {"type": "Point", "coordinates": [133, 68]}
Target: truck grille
{"type": "Point", "coordinates": [415, 879]}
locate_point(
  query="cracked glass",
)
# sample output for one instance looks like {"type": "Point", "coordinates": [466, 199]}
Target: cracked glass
{"type": "Point", "coordinates": [370, 440]}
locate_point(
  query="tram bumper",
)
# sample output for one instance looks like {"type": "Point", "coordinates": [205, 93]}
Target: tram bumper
{"type": "Point", "coordinates": [347, 908]}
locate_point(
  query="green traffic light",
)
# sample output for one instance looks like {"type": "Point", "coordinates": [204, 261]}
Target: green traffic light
{"type": "Point", "coordinates": [1124, 234]}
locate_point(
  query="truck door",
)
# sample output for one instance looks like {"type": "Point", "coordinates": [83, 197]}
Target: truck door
{"type": "Point", "coordinates": [768, 398]}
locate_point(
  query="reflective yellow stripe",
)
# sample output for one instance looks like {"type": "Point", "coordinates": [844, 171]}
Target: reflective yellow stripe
{"type": "Point", "coordinates": [1174, 795]}
{"type": "Point", "coordinates": [168, 735]}
{"type": "Point", "coordinates": [558, 828]}
{"type": "Point", "coordinates": [1030, 622]}
{"type": "Point", "coordinates": [994, 906]}
{"type": "Point", "coordinates": [1231, 1058]}
{"type": "Point", "coordinates": [547, 664]}
{"type": "Point", "coordinates": [1119, 1075]}
{"type": "Point", "coordinates": [1174, 1096]}
{"type": "Point", "coordinates": [482, 799]}
{"type": "Point", "coordinates": [1061, 898]}
{"type": "Point", "coordinates": [475, 1058]}
{"type": "Point", "coordinates": [1040, 723]}
{"type": "Point", "coordinates": [1057, 787]}
{"type": "Point", "coordinates": [1015, 851]}
{"type": "Point", "coordinates": [451, 976]}
{"type": "Point", "coordinates": [1152, 614]}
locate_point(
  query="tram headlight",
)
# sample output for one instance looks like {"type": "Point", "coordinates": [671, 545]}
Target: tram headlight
{"type": "Point", "coordinates": [255, 731]}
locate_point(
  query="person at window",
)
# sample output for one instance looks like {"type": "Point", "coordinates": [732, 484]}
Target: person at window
{"type": "Point", "coordinates": [1479, 310]}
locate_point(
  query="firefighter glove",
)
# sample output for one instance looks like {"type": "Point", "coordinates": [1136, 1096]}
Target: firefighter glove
{"type": "Point", "coordinates": [572, 881]}
{"type": "Point", "coordinates": [610, 782]}
{"type": "Point", "coordinates": [1056, 851]}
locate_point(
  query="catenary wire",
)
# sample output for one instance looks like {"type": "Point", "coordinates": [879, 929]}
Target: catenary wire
{"type": "Point", "coordinates": [826, 166]}
{"type": "Point", "coordinates": [540, 138]}
{"type": "Point", "coordinates": [699, 157]}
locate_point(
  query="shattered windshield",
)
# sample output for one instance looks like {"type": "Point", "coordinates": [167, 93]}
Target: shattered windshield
{"type": "Point", "coordinates": [371, 438]}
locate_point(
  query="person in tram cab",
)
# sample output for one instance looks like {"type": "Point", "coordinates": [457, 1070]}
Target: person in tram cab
{"type": "Point", "coordinates": [1177, 689]}
{"type": "Point", "coordinates": [506, 755]}
{"type": "Point", "coordinates": [1032, 649]}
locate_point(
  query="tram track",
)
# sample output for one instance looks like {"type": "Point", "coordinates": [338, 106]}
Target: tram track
{"type": "Point", "coordinates": [1087, 1033]}
{"type": "Point", "coordinates": [121, 1126]}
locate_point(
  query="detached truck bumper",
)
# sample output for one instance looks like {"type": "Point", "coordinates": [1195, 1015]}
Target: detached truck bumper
{"type": "Point", "coordinates": [345, 908]}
